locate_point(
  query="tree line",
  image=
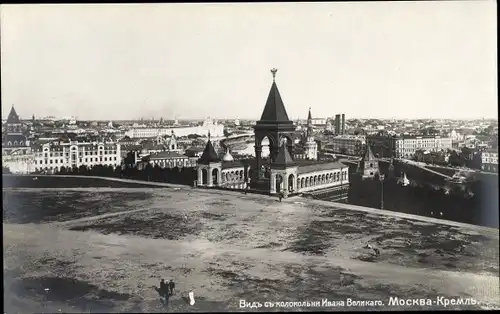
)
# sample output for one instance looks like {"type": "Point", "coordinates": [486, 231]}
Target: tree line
{"type": "Point", "coordinates": [176, 175]}
{"type": "Point", "coordinates": [465, 158]}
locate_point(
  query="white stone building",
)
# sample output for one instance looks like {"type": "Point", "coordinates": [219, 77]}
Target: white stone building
{"type": "Point", "coordinates": [406, 146]}
{"type": "Point", "coordinates": [52, 156]}
{"type": "Point", "coordinates": [208, 126]}
{"type": "Point", "coordinates": [489, 160]}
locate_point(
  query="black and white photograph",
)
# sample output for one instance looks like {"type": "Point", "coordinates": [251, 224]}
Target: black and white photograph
{"type": "Point", "coordinates": [250, 157]}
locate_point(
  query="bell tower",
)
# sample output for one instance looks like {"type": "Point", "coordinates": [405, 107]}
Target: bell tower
{"type": "Point", "coordinates": [273, 124]}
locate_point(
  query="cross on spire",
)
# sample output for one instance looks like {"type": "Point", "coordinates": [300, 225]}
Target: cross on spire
{"type": "Point", "coordinates": [273, 71]}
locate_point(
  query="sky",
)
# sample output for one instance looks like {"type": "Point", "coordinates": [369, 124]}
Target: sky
{"type": "Point", "coordinates": [365, 59]}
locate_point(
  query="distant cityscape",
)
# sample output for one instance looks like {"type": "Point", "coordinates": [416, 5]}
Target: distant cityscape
{"type": "Point", "coordinates": [419, 139]}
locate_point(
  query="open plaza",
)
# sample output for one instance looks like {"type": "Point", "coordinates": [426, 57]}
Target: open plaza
{"type": "Point", "coordinates": [105, 249]}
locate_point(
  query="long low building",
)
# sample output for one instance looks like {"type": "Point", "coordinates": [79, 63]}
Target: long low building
{"type": "Point", "coordinates": [405, 146]}
{"type": "Point", "coordinates": [215, 130]}
{"type": "Point", "coordinates": [52, 156]}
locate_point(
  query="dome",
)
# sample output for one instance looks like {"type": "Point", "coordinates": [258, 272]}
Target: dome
{"type": "Point", "coordinates": [227, 156]}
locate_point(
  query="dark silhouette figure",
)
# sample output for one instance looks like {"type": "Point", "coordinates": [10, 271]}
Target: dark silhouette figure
{"type": "Point", "coordinates": [280, 196]}
{"type": "Point", "coordinates": [164, 290]}
{"type": "Point", "coordinates": [171, 286]}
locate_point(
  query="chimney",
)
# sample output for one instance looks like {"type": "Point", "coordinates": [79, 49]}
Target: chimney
{"type": "Point", "coordinates": [342, 131]}
{"type": "Point", "coordinates": [337, 124]}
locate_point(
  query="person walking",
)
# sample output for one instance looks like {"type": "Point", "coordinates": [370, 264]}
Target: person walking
{"type": "Point", "coordinates": [171, 286]}
{"type": "Point", "coordinates": [163, 290]}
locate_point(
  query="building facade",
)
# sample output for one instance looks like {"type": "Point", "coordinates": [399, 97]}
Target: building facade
{"type": "Point", "coordinates": [489, 160]}
{"type": "Point", "coordinates": [405, 146]}
{"type": "Point", "coordinates": [51, 157]}
{"type": "Point", "coordinates": [172, 159]}
{"type": "Point", "coordinates": [352, 145]}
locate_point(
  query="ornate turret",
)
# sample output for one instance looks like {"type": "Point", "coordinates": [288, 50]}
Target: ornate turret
{"type": "Point", "coordinates": [309, 124]}
{"type": "Point", "coordinates": [209, 155]}
{"type": "Point", "coordinates": [311, 146]}
{"type": "Point", "coordinates": [172, 142]}
{"type": "Point", "coordinates": [368, 166]}
{"type": "Point", "coordinates": [209, 166]}
{"type": "Point", "coordinates": [13, 139]}
{"type": "Point", "coordinates": [273, 124]}
{"type": "Point", "coordinates": [13, 118]}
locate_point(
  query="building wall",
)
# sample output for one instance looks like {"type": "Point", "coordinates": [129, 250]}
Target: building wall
{"type": "Point", "coordinates": [489, 161]}
{"type": "Point", "coordinates": [308, 182]}
{"type": "Point", "coordinates": [233, 178]}
{"type": "Point", "coordinates": [52, 157]}
{"type": "Point", "coordinates": [347, 144]}
{"type": "Point", "coordinates": [311, 148]}
{"type": "Point", "coordinates": [407, 146]}
{"type": "Point", "coordinates": [489, 158]}
{"type": "Point", "coordinates": [170, 162]}
{"type": "Point", "coordinates": [19, 164]}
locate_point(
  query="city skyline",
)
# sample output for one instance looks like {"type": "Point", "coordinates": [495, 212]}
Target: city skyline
{"type": "Point", "coordinates": [368, 60]}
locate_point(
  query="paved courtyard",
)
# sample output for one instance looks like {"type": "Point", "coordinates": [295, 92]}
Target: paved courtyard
{"type": "Point", "coordinates": [104, 249]}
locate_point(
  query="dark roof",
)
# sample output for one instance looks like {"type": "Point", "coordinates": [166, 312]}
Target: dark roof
{"type": "Point", "coordinates": [209, 155]}
{"type": "Point", "coordinates": [283, 158]}
{"type": "Point", "coordinates": [194, 149]}
{"type": "Point", "coordinates": [14, 138]}
{"type": "Point", "coordinates": [13, 118]}
{"type": "Point", "coordinates": [275, 109]}
{"type": "Point", "coordinates": [319, 166]}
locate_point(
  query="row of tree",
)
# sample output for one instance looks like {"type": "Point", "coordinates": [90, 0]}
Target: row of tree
{"type": "Point", "coordinates": [175, 175]}
{"type": "Point", "coordinates": [465, 158]}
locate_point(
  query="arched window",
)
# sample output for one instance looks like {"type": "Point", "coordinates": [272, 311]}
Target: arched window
{"type": "Point", "coordinates": [9, 143]}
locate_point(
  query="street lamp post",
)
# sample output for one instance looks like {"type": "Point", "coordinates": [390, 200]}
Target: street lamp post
{"type": "Point", "coordinates": [381, 177]}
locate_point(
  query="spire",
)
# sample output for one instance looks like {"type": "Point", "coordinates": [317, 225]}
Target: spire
{"type": "Point", "coordinates": [274, 111]}
{"type": "Point", "coordinates": [13, 118]}
{"type": "Point", "coordinates": [209, 155]}
{"type": "Point", "coordinates": [283, 158]}
{"type": "Point", "coordinates": [309, 117]}
{"type": "Point", "coordinates": [368, 154]}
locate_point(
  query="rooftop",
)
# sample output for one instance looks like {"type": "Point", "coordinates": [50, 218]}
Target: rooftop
{"type": "Point", "coordinates": [306, 166]}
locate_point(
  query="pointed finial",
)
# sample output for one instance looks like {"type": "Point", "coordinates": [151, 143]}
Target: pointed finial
{"type": "Point", "coordinates": [273, 71]}
{"type": "Point", "coordinates": [208, 135]}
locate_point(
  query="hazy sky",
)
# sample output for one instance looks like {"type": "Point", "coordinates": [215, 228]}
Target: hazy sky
{"type": "Point", "coordinates": [380, 59]}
